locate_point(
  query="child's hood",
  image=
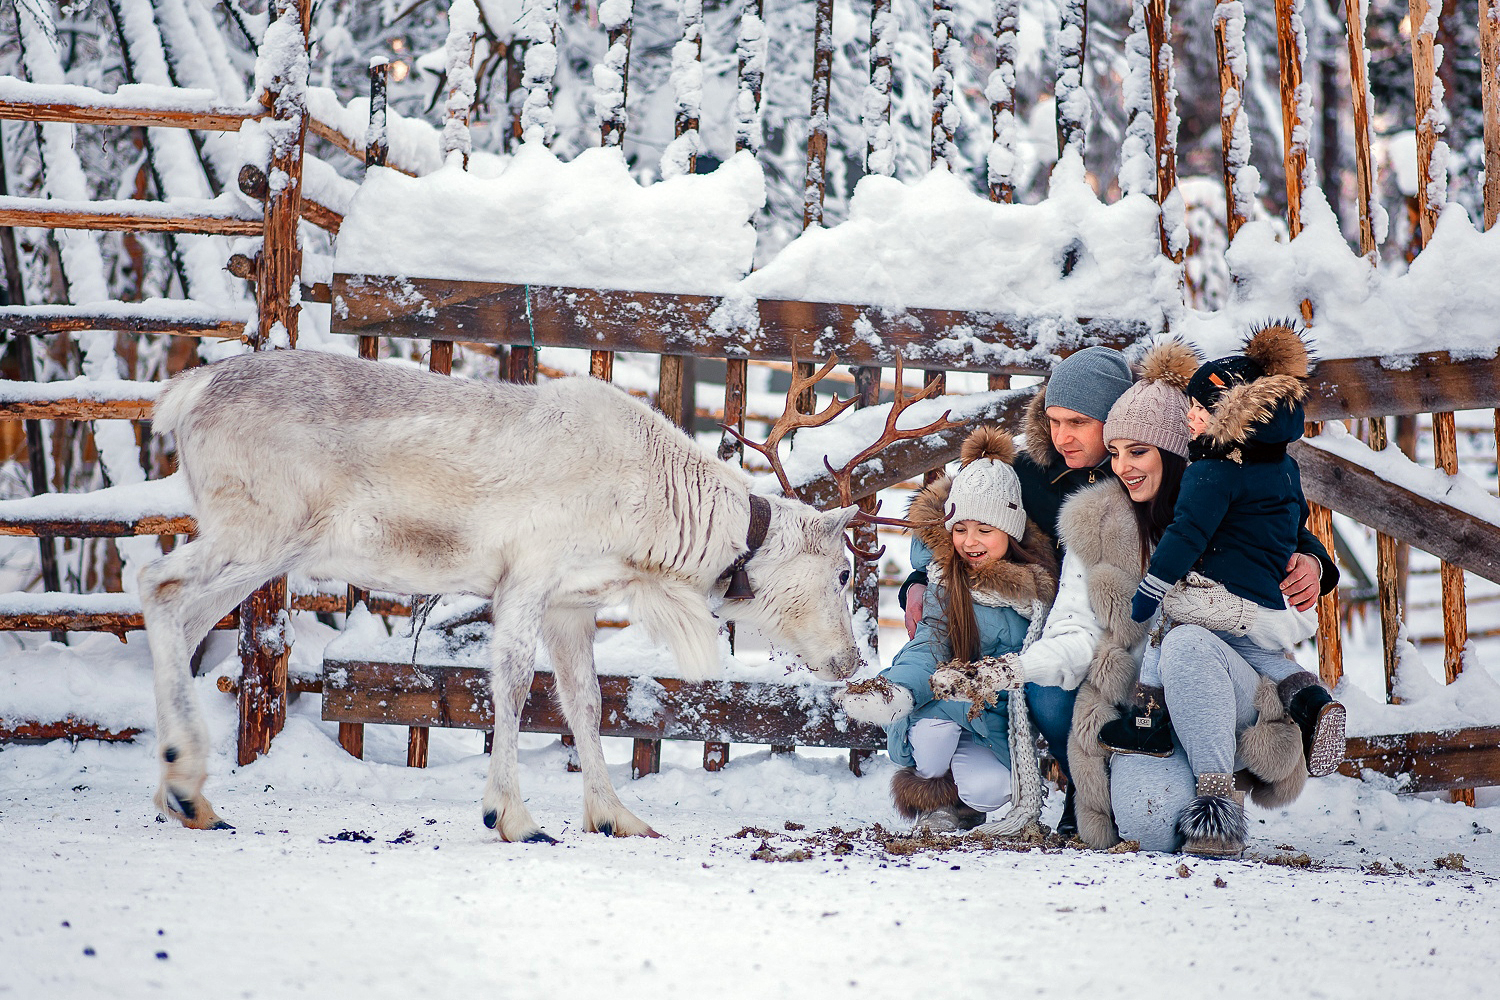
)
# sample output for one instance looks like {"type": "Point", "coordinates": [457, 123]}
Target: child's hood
{"type": "Point", "coordinates": [1266, 409]}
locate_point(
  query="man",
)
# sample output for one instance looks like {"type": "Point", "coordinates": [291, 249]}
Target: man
{"type": "Point", "coordinates": [1065, 452]}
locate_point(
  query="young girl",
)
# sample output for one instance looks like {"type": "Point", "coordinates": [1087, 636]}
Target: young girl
{"type": "Point", "coordinates": [1237, 520]}
{"type": "Point", "coordinates": [992, 578]}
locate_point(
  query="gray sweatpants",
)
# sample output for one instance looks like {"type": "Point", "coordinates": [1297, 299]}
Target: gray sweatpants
{"type": "Point", "coordinates": [1209, 683]}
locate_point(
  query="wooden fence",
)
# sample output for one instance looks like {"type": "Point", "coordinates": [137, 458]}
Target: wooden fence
{"type": "Point", "coordinates": [521, 319]}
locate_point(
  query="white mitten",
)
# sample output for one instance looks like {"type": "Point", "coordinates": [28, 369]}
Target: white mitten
{"type": "Point", "coordinates": [1198, 600]}
{"type": "Point", "coordinates": [978, 682]}
{"type": "Point", "coordinates": [876, 701]}
{"type": "Point", "coordinates": [1282, 629]}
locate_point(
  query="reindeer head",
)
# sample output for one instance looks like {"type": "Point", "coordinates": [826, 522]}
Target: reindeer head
{"type": "Point", "coordinates": [793, 599]}
{"type": "Point", "coordinates": [800, 581]}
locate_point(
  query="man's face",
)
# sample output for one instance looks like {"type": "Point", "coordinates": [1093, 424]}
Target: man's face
{"type": "Point", "coordinates": [1080, 439]}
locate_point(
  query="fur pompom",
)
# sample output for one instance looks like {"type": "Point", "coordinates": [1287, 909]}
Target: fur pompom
{"type": "Point", "coordinates": [1170, 361]}
{"type": "Point", "coordinates": [1279, 348]}
{"type": "Point", "coordinates": [988, 442]}
{"type": "Point", "coordinates": [1213, 825]}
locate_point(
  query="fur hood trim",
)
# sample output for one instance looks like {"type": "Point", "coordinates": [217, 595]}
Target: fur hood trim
{"type": "Point", "coordinates": [1248, 405]}
{"type": "Point", "coordinates": [1022, 583]}
{"type": "Point", "coordinates": [1279, 348]}
{"type": "Point", "coordinates": [1038, 432]}
{"type": "Point", "coordinates": [988, 442]}
{"type": "Point", "coordinates": [1171, 361]}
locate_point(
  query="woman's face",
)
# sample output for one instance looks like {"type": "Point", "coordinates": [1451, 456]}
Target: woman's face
{"type": "Point", "coordinates": [1138, 466]}
{"type": "Point", "coordinates": [980, 544]}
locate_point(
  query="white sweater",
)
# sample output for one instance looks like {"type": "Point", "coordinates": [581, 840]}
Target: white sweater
{"type": "Point", "coordinates": [1060, 656]}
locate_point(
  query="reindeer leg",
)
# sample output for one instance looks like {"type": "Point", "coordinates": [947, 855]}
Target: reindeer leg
{"type": "Point", "coordinates": [518, 610]}
{"type": "Point", "coordinates": [183, 595]}
{"type": "Point", "coordinates": [569, 634]}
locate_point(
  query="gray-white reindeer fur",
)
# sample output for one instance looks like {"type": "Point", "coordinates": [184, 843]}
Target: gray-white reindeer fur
{"type": "Point", "coordinates": [552, 500]}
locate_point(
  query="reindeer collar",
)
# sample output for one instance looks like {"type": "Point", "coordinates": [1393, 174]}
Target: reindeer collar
{"type": "Point", "coordinates": [739, 580]}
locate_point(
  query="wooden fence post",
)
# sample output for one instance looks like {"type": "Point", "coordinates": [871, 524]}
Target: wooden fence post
{"type": "Point", "coordinates": [1164, 115]}
{"type": "Point", "coordinates": [265, 642]}
{"type": "Point", "coordinates": [1002, 94]}
{"type": "Point", "coordinates": [1234, 125]}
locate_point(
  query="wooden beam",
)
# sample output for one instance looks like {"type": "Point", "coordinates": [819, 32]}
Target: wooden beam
{"type": "Point", "coordinates": [127, 217]}
{"type": "Point", "coordinates": [76, 409]}
{"type": "Point", "coordinates": [664, 323]}
{"type": "Point", "coordinates": [1412, 383]}
{"type": "Point", "coordinates": [1448, 533]}
{"type": "Point", "coordinates": [131, 317]}
{"type": "Point", "coordinates": [151, 524]}
{"type": "Point", "coordinates": [715, 710]}
{"type": "Point", "coordinates": [67, 729]}
{"type": "Point", "coordinates": [86, 621]}
{"type": "Point", "coordinates": [1428, 762]}
{"type": "Point", "coordinates": [223, 118]}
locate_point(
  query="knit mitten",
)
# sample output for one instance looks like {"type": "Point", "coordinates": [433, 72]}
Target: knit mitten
{"type": "Point", "coordinates": [876, 701]}
{"type": "Point", "coordinates": [1200, 601]}
{"type": "Point", "coordinates": [978, 682]}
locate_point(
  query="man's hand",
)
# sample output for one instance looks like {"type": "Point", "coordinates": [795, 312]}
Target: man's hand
{"type": "Point", "coordinates": [914, 595]}
{"type": "Point", "coordinates": [1304, 574]}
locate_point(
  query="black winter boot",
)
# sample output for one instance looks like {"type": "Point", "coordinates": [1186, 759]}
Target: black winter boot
{"type": "Point", "coordinates": [1320, 718]}
{"type": "Point", "coordinates": [1145, 728]}
{"type": "Point", "coordinates": [1213, 824]}
{"type": "Point", "coordinates": [1067, 823]}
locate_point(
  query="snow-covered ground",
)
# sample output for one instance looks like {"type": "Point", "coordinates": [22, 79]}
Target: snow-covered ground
{"type": "Point", "coordinates": [370, 879]}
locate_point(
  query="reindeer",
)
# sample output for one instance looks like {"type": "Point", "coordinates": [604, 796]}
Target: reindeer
{"type": "Point", "coordinates": [552, 500]}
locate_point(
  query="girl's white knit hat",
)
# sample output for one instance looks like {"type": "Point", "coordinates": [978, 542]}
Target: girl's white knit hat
{"type": "Point", "coordinates": [986, 489]}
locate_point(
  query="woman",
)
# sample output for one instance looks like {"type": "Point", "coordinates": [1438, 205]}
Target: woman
{"type": "Point", "coordinates": [1224, 717]}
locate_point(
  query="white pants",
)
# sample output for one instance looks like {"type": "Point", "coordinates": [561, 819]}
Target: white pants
{"type": "Point", "coordinates": [938, 746]}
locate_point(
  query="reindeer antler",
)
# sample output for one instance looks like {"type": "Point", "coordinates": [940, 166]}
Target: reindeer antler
{"type": "Point", "coordinates": [791, 419]}
{"type": "Point", "coordinates": [843, 476]}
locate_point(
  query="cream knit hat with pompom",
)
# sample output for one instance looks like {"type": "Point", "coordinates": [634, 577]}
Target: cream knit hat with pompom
{"type": "Point", "coordinates": [986, 489]}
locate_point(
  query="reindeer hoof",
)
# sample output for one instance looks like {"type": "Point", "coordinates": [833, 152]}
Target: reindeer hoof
{"type": "Point", "coordinates": [193, 813]}
{"type": "Point", "coordinates": [540, 837]}
{"type": "Point", "coordinates": [491, 817]}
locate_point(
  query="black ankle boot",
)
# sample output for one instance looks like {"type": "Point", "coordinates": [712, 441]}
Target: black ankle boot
{"type": "Point", "coordinates": [1067, 823]}
{"type": "Point", "coordinates": [1144, 729]}
{"type": "Point", "coordinates": [1321, 720]}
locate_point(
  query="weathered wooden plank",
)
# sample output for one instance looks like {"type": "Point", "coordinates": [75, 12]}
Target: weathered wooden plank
{"type": "Point", "coordinates": [73, 621]}
{"type": "Point", "coordinates": [153, 524]}
{"type": "Point", "coordinates": [1489, 62]}
{"type": "Point", "coordinates": [67, 729]}
{"type": "Point", "coordinates": [1448, 533]}
{"type": "Point", "coordinates": [1413, 383]}
{"type": "Point", "coordinates": [1359, 87]}
{"type": "Point", "coordinates": [1425, 762]}
{"type": "Point", "coordinates": [132, 317]}
{"type": "Point", "coordinates": [226, 118]}
{"type": "Point", "coordinates": [664, 323]}
{"type": "Point", "coordinates": [40, 215]}
{"type": "Point", "coordinates": [1294, 130]}
{"type": "Point", "coordinates": [716, 711]}
{"type": "Point", "coordinates": [76, 409]}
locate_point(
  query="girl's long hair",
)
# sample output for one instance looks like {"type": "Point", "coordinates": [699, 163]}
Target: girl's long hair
{"type": "Point", "coordinates": [958, 601]}
{"type": "Point", "coordinates": [1152, 516]}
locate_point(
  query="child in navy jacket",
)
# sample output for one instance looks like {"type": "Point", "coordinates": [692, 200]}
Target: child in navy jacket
{"type": "Point", "coordinates": [1236, 522]}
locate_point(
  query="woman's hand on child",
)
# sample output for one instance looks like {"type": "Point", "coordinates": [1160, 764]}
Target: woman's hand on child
{"type": "Point", "coordinates": [876, 701]}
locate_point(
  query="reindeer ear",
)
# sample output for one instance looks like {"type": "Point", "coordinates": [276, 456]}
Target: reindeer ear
{"type": "Point", "coordinates": [835, 521]}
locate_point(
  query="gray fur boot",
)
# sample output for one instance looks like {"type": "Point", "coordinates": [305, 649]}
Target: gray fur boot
{"type": "Point", "coordinates": [1213, 824]}
{"type": "Point", "coordinates": [932, 804]}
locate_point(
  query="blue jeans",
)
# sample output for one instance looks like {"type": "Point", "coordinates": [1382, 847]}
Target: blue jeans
{"type": "Point", "coordinates": [1052, 714]}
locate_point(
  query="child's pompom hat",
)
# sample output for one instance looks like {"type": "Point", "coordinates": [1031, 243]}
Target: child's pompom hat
{"type": "Point", "coordinates": [1275, 350]}
{"type": "Point", "coordinates": [1154, 410]}
{"type": "Point", "coordinates": [986, 488]}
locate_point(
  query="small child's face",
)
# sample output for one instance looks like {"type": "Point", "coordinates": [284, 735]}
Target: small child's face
{"type": "Point", "coordinates": [980, 544]}
{"type": "Point", "coordinates": [1197, 418]}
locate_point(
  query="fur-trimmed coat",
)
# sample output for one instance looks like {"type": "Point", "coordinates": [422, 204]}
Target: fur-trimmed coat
{"type": "Point", "coordinates": [1009, 597]}
{"type": "Point", "coordinates": [1240, 513]}
{"type": "Point", "coordinates": [1098, 528]}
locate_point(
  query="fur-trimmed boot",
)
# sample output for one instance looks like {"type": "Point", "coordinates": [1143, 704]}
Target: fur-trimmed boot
{"type": "Point", "coordinates": [1320, 718]}
{"type": "Point", "coordinates": [1145, 727]}
{"type": "Point", "coordinates": [1213, 824]}
{"type": "Point", "coordinates": [932, 804]}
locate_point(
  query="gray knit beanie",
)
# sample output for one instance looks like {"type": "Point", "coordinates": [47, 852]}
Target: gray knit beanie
{"type": "Point", "coordinates": [1089, 381]}
{"type": "Point", "coordinates": [1154, 410]}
